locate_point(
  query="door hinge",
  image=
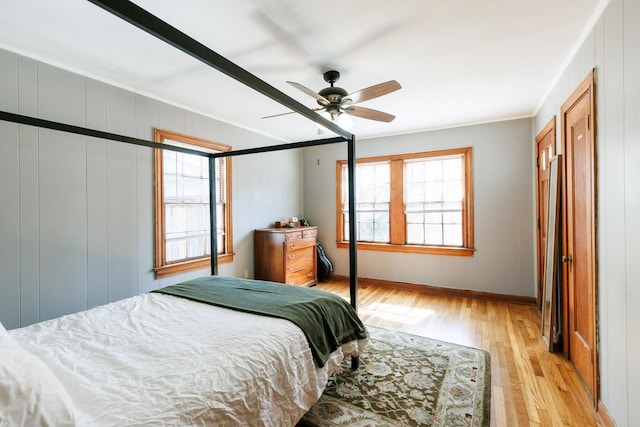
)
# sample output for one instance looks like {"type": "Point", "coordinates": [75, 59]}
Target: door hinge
{"type": "Point", "coordinates": [537, 162]}
{"type": "Point", "coordinates": [539, 224]}
{"type": "Point", "coordinates": [589, 122]}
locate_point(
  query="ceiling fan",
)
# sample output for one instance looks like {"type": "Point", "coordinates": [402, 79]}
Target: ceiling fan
{"type": "Point", "coordinates": [336, 103]}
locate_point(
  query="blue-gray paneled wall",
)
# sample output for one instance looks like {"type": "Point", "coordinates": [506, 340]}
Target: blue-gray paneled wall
{"type": "Point", "coordinates": [76, 213]}
{"type": "Point", "coordinates": [613, 49]}
{"type": "Point", "coordinates": [503, 168]}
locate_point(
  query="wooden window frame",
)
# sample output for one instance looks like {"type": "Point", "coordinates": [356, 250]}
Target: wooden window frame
{"type": "Point", "coordinates": [397, 225]}
{"type": "Point", "coordinates": [162, 268]}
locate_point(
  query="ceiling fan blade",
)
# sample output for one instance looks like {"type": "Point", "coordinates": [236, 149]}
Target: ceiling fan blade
{"type": "Point", "coordinates": [278, 115]}
{"type": "Point", "coordinates": [368, 113]}
{"type": "Point", "coordinates": [321, 99]}
{"type": "Point", "coordinates": [373, 92]}
{"type": "Point", "coordinates": [285, 114]}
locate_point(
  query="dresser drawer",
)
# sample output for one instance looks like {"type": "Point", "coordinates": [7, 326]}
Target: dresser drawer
{"type": "Point", "coordinates": [310, 233]}
{"type": "Point", "coordinates": [301, 277]}
{"type": "Point", "coordinates": [295, 235]}
{"type": "Point", "coordinates": [295, 260]}
{"type": "Point", "coordinates": [299, 244]}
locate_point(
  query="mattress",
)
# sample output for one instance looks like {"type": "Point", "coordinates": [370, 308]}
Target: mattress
{"type": "Point", "coordinates": [156, 359]}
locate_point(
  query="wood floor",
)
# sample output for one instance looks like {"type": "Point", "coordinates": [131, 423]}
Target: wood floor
{"type": "Point", "coordinates": [529, 385]}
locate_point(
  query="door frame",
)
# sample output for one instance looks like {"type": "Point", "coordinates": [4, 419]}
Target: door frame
{"type": "Point", "coordinates": [587, 85]}
{"type": "Point", "coordinates": [549, 128]}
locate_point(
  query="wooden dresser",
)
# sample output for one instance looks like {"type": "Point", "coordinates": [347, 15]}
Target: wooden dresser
{"type": "Point", "coordinates": [286, 255]}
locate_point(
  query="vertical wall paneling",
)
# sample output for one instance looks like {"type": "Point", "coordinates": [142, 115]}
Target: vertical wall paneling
{"type": "Point", "coordinates": [96, 188]}
{"type": "Point", "coordinates": [171, 118]}
{"type": "Point", "coordinates": [62, 195]}
{"type": "Point", "coordinates": [121, 197]}
{"type": "Point", "coordinates": [8, 81]}
{"type": "Point", "coordinates": [146, 120]}
{"type": "Point", "coordinates": [613, 49]}
{"type": "Point", "coordinates": [9, 233]}
{"type": "Point", "coordinates": [632, 196]}
{"type": "Point", "coordinates": [63, 224]}
{"type": "Point", "coordinates": [29, 224]}
{"type": "Point", "coordinates": [10, 195]}
{"type": "Point", "coordinates": [612, 225]}
{"type": "Point", "coordinates": [76, 230]}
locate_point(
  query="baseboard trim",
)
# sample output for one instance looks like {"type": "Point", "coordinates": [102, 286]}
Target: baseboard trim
{"type": "Point", "coordinates": [437, 290]}
{"type": "Point", "coordinates": [605, 416]}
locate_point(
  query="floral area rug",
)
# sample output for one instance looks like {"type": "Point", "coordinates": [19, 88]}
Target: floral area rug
{"type": "Point", "coordinates": [407, 380]}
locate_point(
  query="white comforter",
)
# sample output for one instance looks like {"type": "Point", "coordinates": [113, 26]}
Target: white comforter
{"type": "Point", "coordinates": [158, 360]}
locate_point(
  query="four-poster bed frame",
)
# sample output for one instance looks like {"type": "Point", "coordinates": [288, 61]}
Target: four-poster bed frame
{"type": "Point", "coordinates": [139, 17]}
{"type": "Point", "coordinates": [187, 337]}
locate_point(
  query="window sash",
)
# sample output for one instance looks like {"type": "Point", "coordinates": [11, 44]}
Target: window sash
{"type": "Point", "coordinates": [374, 197]}
{"type": "Point", "coordinates": [429, 205]}
{"type": "Point", "coordinates": [182, 206]}
{"type": "Point", "coordinates": [434, 200]}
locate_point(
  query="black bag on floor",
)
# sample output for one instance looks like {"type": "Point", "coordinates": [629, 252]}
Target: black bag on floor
{"type": "Point", "coordinates": [325, 268]}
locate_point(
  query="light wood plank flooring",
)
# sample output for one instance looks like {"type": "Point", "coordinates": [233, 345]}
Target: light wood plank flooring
{"type": "Point", "coordinates": [529, 385]}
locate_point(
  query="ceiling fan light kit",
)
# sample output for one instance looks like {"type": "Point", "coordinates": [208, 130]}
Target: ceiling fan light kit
{"type": "Point", "coordinates": [336, 104]}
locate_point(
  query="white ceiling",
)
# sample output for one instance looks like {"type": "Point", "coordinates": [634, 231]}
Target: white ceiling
{"type": "Point", "coordinates": [458, 61]}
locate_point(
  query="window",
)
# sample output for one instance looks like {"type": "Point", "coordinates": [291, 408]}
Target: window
{"type": "Point", "coordinates": [419, 202]}
{"type": "Point", "coordinates": [182, 229]}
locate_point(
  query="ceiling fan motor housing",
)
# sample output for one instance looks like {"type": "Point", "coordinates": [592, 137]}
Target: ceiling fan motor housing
{"type": "Point", "coordinates": [333, 94]}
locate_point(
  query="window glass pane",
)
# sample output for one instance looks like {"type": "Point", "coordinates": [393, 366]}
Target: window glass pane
{"type": "Point", "coordinates": [169, 161]}
{"type": "Point", "coordinates": [433, 218]}
{"type": "Point", "coordinates": [452, 190]}
{"type": "Point", "coordinates": [415, 218]}
{"type": "Point", "coordinates": [365, 216]}
{"type": "Point", "coordinates": [452, 218]}
{"type": "Point", "coordinates": [415, 192]}
{"type": "Point", "coordinates": [432, 170]}
{"type": "Point", "coordinates": [381, 232]}
{"type": "Point", "coordinates": [415, 234]}
{"type": "Point", "coordinates": [382, 193]}
{"type": "Point", "coordinates": [433, 191]}
{"type": "Point", "coordinates": [452, 235]}
{"type": "Point", "coordinates": [433, 234]}
{"type": "Point", "coordinates": [365, 231]}
{"type": "Point", "coordinates": [452, 169]}
{"type": "Point", "coordinates": [441, 201]}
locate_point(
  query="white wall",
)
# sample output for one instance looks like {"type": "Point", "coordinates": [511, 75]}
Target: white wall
{"type": "Point", "coordinates": [613, 48]}
{"type": "Point", "coordinates": [503, 173]}
{"type": "Point", "coordinates": [76, 214]}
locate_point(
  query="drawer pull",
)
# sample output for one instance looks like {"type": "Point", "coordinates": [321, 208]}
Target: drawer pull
{"type": "Point", "coordinates": [292, 246]}
{"type": "Point", "coordinates": [309, 274]}
{"type": "Point", "coordinates": [290, 256]}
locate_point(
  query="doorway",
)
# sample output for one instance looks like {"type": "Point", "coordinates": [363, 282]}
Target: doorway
{"type": "Point", "coordinates": [579, 232]}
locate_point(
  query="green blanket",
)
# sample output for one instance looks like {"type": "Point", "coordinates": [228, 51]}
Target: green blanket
{"type": "Point", "coordinates": [326, 319]}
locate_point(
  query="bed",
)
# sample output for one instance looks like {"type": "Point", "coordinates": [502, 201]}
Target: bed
{"type": "Point", "coordinates": [158, 359]}
{"type": "Point", "coordinates": [162, 359]}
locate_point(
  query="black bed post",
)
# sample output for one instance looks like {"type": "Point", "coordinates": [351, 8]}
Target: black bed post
{"type": "Point", "coordinates": [213, 229]}
{"type": "Point", "coordinates": [353, 248]}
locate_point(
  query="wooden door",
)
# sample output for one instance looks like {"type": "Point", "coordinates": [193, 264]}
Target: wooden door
{"type": "Point", "coordinates": [545, 149]}
{"type": "Point", "coordinates": [580, 233]}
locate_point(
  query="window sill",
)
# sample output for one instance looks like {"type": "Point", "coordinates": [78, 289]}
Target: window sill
{"type": "Point", "coordinates": [185, 266]}
{"type": "Point", "coordinates": [432, 250]}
